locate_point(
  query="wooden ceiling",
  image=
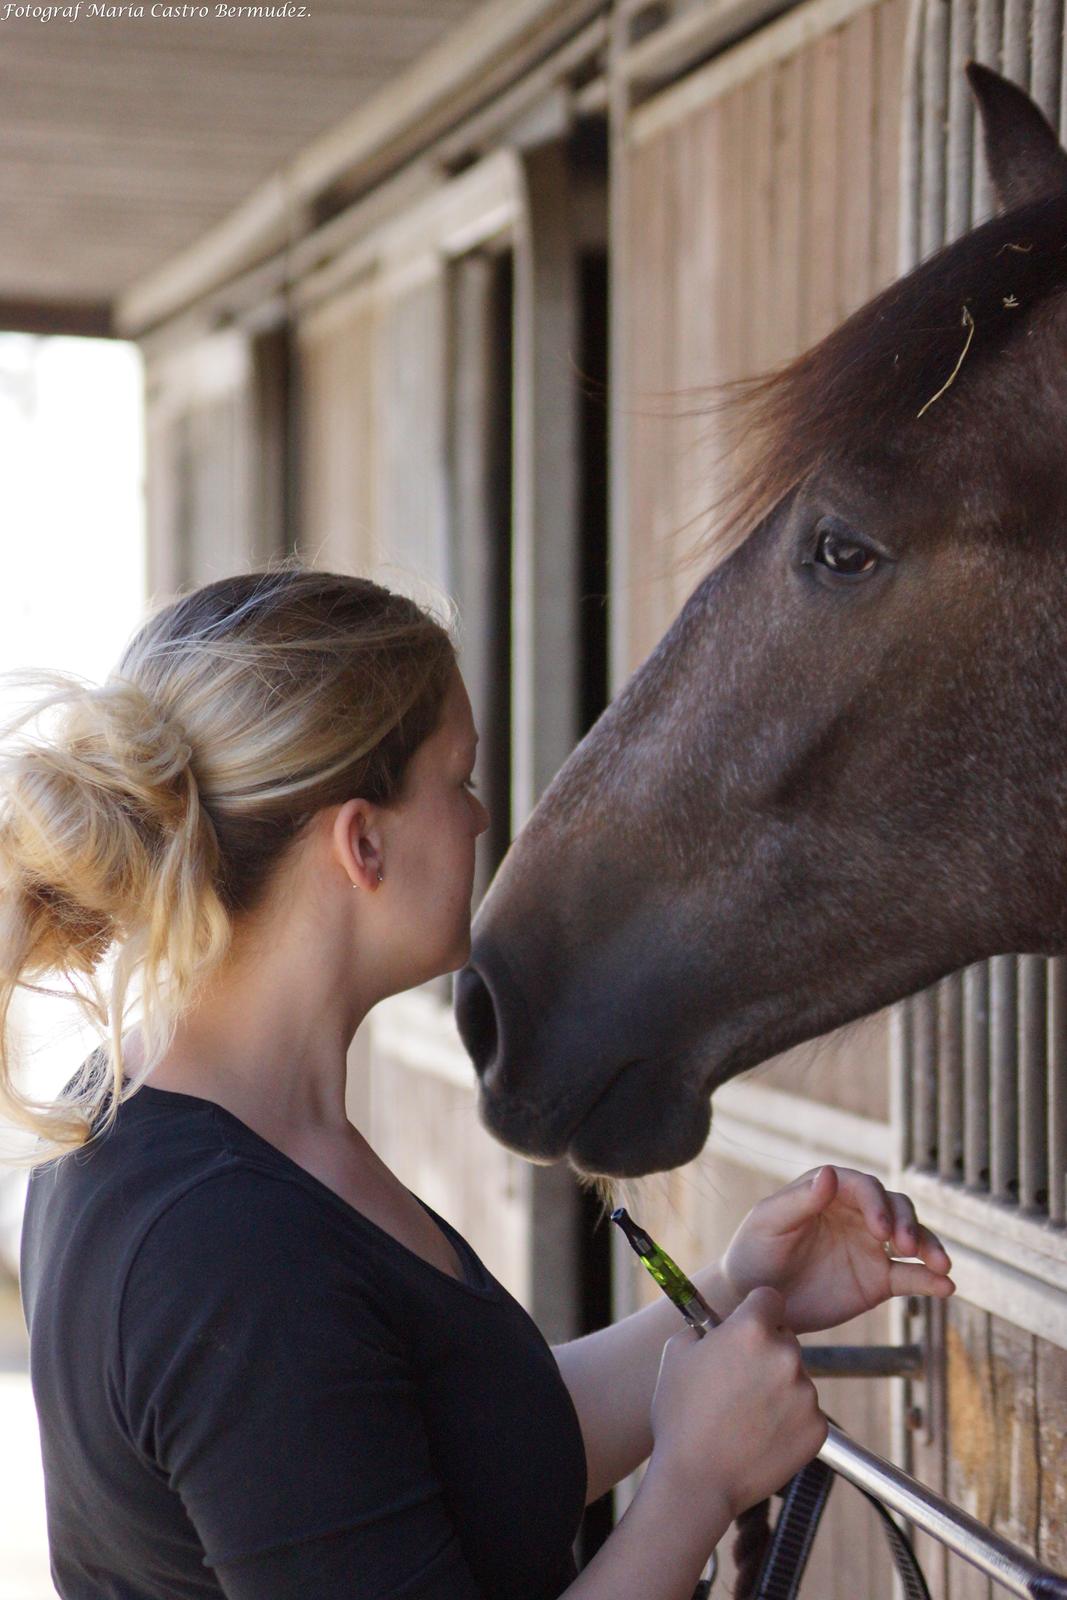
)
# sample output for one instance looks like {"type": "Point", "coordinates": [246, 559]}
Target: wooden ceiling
{"type": "Point", "coordinates": [123, 139]}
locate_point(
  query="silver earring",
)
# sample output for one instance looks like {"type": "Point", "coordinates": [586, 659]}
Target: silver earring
{"type": "Point", "coordinates": [379, 875]}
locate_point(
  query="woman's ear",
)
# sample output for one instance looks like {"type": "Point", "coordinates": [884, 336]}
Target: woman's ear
{"type": "Point", "coordinates": [357, 843]}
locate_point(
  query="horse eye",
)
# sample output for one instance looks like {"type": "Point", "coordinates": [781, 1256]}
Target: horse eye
{"type": "Point", "coordinates": [844, 556]}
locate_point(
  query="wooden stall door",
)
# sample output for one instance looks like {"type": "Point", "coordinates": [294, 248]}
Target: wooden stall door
{"type": "Point", "coordinates": [756, 207]}
{"type": "Point", "coordinates": [427, 393]}
{"type": "Point", "coordinates": [217, 467]}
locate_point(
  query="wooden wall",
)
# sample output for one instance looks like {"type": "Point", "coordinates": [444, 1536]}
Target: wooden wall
{"type": "Point", "coordinates": [760, 198]}
{"type": "Point", "coordinates": [419, 470]}
{"type": "Point", "coordinates": [993, 1422]}
{"type": "Point", "coordinates": [338, 418]}
{"type": "Point", "coordinates": [217, 468]}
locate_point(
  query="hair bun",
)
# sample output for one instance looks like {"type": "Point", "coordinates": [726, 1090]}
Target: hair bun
{"type": "Point", "coordinates": [100, 818]}
{"type": "Point", "coordinates": [141, 744]}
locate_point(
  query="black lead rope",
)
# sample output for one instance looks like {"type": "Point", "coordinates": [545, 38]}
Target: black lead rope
{"type": "Point", "coordinates": [803, 1503]}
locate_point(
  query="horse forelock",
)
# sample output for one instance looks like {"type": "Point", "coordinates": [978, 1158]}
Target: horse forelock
{"type": "Point", "coordinates": [896, 378]}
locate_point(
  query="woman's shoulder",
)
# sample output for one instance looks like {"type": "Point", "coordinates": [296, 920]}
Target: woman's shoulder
{"type": "Point", "coordinates": [171, 1186]}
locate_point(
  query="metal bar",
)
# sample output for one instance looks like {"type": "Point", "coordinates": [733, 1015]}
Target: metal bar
{"type": "Point", "coordinates": [950, 1078]}
{"type": "Point", "coordinates": [1057, 1090]}
{"type": "Point", "coordinates": [1017, 41]}
{"type": "Point", "coordinates": [864, 1360]}
{"type": "Point", "coordinates": [976, 1076]}
{"type": "Point", "coordinates": [934, 113]}
{"type": "Point", "coordinates": [988, 23]}
{"type": "Point", "coordinates": [1047, 28]}
{"type": "Point", "coordinates": [1003, 1097]}
{"type": "Point", "coordinates": [1033, 1084]}
{"type": "Point", "coordinates": [959, 159]}
{"type": "Point", "coordinates": [911, 124]}
{"type": "Point", "coordinates": [959, 1532]}
{"type": "Point", "coordinates": [924, 1069]}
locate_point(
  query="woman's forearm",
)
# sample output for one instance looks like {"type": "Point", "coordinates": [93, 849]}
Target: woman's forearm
{"type": "Point", "coordinates": [611, 1376]}
{"type": "Point", "coordinates": [660, 1546]}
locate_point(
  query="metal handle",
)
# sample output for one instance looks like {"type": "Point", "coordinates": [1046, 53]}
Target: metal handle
{"type": "Point", "coordinates": [1000, 1560]}
{"type": "Point", "coordinates": [864, 1360]}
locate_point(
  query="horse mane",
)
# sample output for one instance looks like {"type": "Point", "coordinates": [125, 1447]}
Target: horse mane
{"type": "Point", "coordinates": [890, 372]}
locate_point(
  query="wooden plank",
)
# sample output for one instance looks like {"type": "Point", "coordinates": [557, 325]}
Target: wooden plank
{"type": "Point", "coordinates": [976, 1076]}
{"type": "Point", "coordinates": [927, 1436]}
{"type": "Point", "coordinates": [1051, 1411]}
{"type": "Point", "coordinates": [856, 138]}
{"type": "Point", "coordinates": [173, 138]}
{"type": "Point", "coordinates": [85, 319]}
{"type": "Point", "coordinates": [961, 120]}
{"type": "Point", "coordinates": [987, 31]}
{"type": "Point", "coordinates": [735, 311]}
{"type": "Point", "coordinates": [1057, 1090]}
{"type": "Point", "coordinates": [338, 417]}
{"type": "Point", "coordinates": [797, 31]}
{"type": "Point", "coordinates": [652, 360]}
{"type": "Point", "coordinates": [763, 343]}
{"type": "Point", "coordinates": [891, 27]}
{"type": "Point", "coordinates": [788, 264]}
{"type": "Point", "coordinates": [1016, 1507]}
{"type": "Point", "coordinates": [950, 1078]}
{"type": "Point", "coordinates": [1004, 1101]}
{"type": "Point", "coordinates": [479, 447]}
{"type": "Point", "coordinates": [823, 183]}
{"type": "Point", "coordinates": [410, 454]}
{"type": "Point", "coordinates": [972, 1439]}
{"type": "Point", "coordinates": [1016, 41]}
{"type": "Point", "coordinates": [1033, 1083]}
{"type": "Point", "coordinates": [480, 57]}
{"type": "Point", "coordinates": [545, 558]}
{"type": "Point", "coordinates": [924, 1079]}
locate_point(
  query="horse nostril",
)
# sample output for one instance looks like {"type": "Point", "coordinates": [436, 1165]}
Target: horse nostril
{"type": "Point", "coordinates": [476, 1019]}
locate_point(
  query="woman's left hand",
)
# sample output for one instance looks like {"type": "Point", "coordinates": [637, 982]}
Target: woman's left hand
{"type": "Point", "coordinates": [829, 1242]}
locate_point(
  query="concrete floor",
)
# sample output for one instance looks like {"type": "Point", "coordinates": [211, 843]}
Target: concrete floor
{"type": "Point", "coordinates": [24, 1573]}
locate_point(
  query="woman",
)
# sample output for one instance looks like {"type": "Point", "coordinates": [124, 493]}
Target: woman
{"type": "Point", "coordinates": [263, 1367]}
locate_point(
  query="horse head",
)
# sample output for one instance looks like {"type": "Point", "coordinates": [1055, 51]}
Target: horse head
{"type": "Point", "coordinates": [840, 774]}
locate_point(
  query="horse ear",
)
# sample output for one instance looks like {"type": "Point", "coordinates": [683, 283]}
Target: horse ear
{"type": "Point", "coordinates": [1023, 154]}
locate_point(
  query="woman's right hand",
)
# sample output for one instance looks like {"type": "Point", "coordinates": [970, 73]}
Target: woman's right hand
{"type": "Point", "coordinates": [734, 1414]}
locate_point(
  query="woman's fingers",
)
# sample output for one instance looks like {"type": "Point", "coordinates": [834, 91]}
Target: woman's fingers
{"type": "Point", "coordinates": [800, 1200]}
{"type": "Point", "coordinates": [892, 1219]}
{"type": "Point", "coordinates": [911, 1277]}
{"type": "Point", "coordinates": [889, 1216]}
{"type": "Point", "coordinates": [863, 1191]}
{"type": "Point", "coordinates": [911, 1238]}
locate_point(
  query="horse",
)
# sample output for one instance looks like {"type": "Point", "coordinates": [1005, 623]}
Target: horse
{"type": "Point", "coordinates": [839, 775]}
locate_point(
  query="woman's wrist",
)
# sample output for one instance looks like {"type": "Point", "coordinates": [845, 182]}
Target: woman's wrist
{"type": "Point", "coordinates": [715, 1285]}
{"type": "Point", "coordinates": [660, 1545]}
{"type": "Point", "coordinates": [704, 1499]}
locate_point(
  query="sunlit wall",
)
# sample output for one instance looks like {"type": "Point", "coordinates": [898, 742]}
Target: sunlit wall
{"type": "Point", "coordinates": [72, 585]}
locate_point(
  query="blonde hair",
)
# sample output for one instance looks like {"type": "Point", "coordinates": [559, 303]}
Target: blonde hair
{"type": "Point", "coordinates": [156, 811]}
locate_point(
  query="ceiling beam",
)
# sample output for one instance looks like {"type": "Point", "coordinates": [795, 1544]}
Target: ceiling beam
{"type": "Point", "coordinates": [88, 319]}
{"type": "Point", "coordinates": [475, 61]}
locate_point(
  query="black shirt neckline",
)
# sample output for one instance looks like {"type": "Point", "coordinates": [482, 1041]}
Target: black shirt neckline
{"type": "Point", "coordinates": [477, 1278]}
